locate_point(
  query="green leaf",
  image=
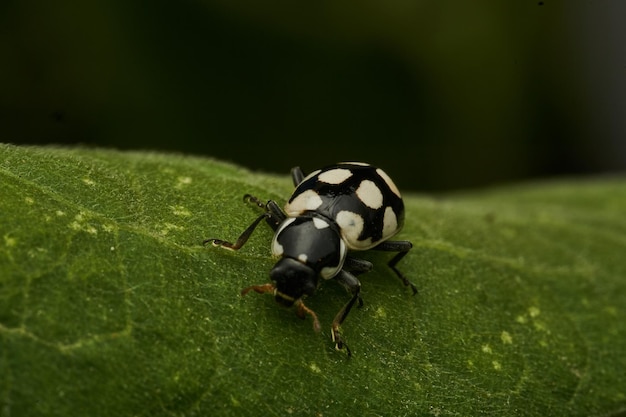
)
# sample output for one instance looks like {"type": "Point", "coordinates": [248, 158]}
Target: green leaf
{"type": "Point", "coordinates": [110, 305]}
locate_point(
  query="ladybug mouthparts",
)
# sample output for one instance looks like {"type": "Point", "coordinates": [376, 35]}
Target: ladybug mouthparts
{"type": "Point", "coordinates": [293, 280]}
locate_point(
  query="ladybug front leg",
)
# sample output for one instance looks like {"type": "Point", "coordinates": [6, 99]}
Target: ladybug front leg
{"type": "Point", "coordinates": [352, 284]}
{"type": "Point", "coordinates": [277, 215]}
{"type": "Point", "coordinates": [242, 239]}
{"type": "Point", "coordinates": [273, 215]}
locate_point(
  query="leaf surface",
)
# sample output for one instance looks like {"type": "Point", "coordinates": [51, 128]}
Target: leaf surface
{"type": "Point", "coordinates": [110, 305]}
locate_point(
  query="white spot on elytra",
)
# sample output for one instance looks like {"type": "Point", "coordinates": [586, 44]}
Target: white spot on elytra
{"type": "Point", "coordinates": [303, 257]}
{"type": "Point", "coordinates": [369, 193]}
{"type": "Point", "coordinates": [308, 200]}
{"type": "Point", "coordinates": [351, 225]}
{"type": "Point", "coordinates": [390, 223]}
{"type": "Point", "coordinates": [319, 223]}
{"type": "Point", "coordinates": [388, 181]}
{"type": "Point", "coordinates": [335, 176]}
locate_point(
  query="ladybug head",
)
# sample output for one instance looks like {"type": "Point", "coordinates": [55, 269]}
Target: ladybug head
{"type": "Point", "coordinates": [293, 280]}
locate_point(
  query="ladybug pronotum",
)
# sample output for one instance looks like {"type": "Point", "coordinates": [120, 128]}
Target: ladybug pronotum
{"type": "Point", "coordinates": [333, 212]}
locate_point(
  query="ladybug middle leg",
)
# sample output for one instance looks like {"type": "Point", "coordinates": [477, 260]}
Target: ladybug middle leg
{"type": "Point", "coordinates": [353, 285]}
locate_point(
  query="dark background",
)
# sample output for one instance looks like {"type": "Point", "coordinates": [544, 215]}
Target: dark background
{"type": "Point", "coordinates": [442, 94]}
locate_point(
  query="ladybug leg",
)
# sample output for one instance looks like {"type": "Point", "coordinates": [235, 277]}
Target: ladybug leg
{"type": "Point", "coordinates": [271, 206]}
{"type": "Point", "coordinates": [352, 284]}
{"type": "Point", "coordinates": [277, 215]}
{"type": "Point", "coordinates": [402, 247]}
{"type": "Point", "coordinates": [243, 238]}
{"type": "Point", "coordinates": [357, 267]}
{"type": "Point", "coordinates": [249, 198]}
{"type": "Point", "coordinates": [297, 176]}
{"type": "Point", "coordinates": [273, 216]}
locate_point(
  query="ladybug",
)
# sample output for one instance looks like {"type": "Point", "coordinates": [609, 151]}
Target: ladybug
{"type": "Point", "coordinates": [333, 212]}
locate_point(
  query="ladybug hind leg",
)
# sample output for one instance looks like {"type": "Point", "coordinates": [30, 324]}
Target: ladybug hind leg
{"type": "Point", "coordinates": [402, 247]}
{"type": "Point", "coordinates": [296, 176]}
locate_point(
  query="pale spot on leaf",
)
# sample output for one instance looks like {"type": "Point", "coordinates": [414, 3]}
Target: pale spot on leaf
{"type": "Point", "coordinates": [9, 241]}
{"type": "Point", "coordinates": [534, 311]}
{"type": "Point", "coordinates": [182, 181]}
{"type": "Point", "coordinates": [315, 368]}
{"type": "Point", "coordinates": [180, 211]}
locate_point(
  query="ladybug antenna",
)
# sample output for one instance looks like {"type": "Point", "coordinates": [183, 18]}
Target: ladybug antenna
{"type": "Point", "coordinates": [301, 311]}
{"type": "Point", "coordinates": [260, 289]}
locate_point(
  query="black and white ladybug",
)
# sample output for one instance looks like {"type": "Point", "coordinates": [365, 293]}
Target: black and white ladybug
{"type": "Point", "coordinates": [333, 211]}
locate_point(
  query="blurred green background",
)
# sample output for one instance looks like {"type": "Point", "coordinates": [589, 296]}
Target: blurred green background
{"type": "Point", "coordinates": [442, 94]}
